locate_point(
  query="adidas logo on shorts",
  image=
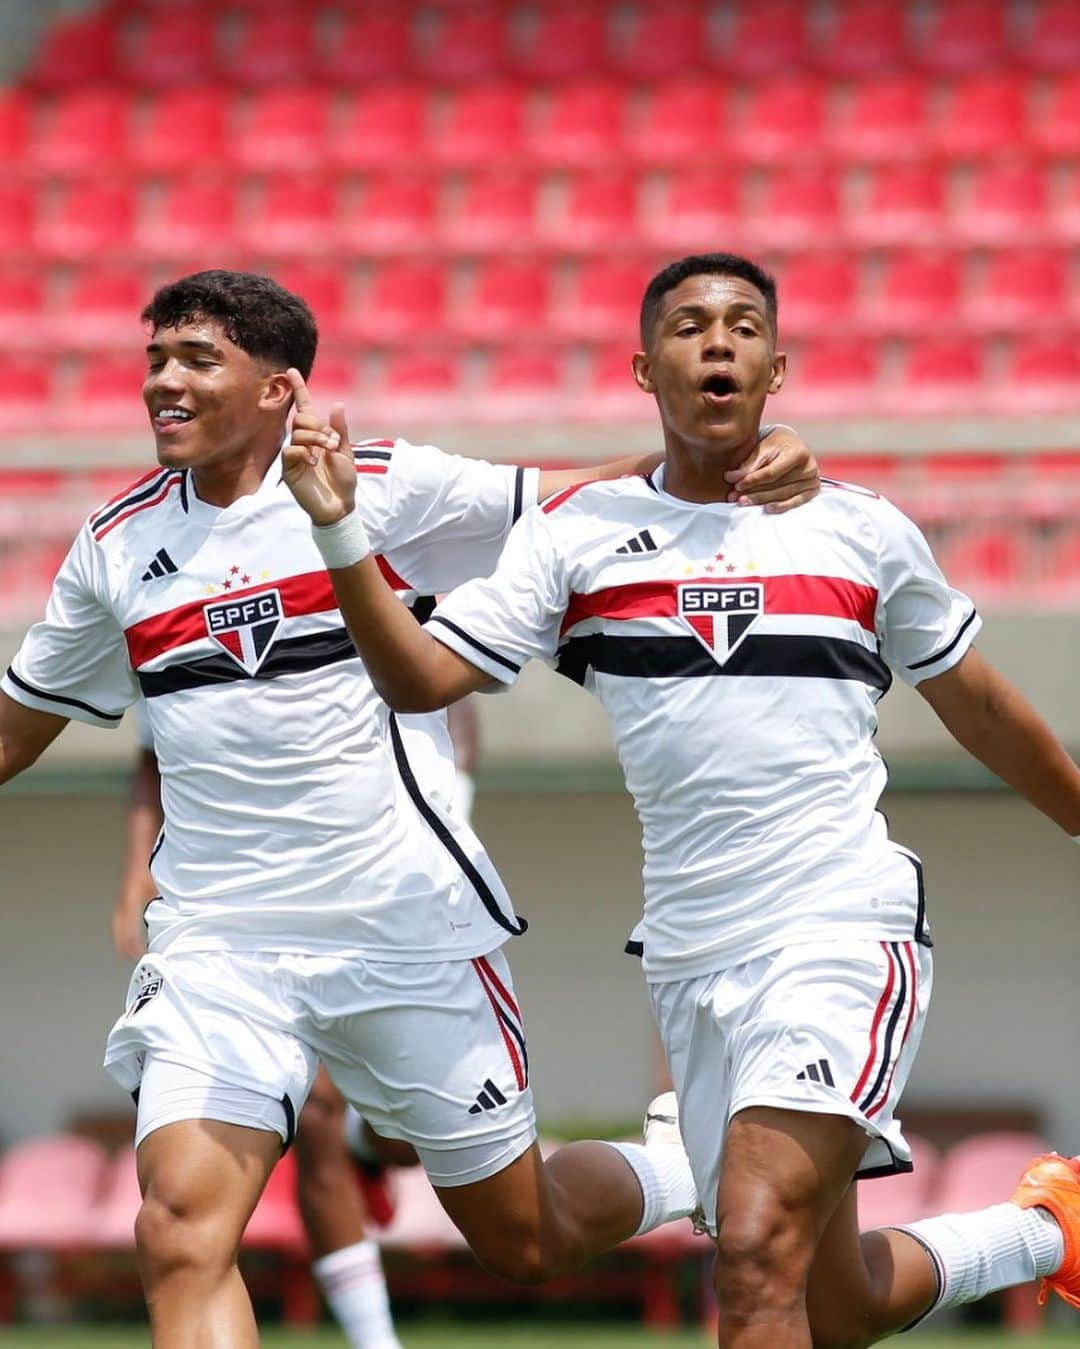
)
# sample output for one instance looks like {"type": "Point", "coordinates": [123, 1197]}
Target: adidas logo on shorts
{"type": "Point", "coordinates": [817, 1072]}
{"type": "Point", "coordinates": [489, 1099]}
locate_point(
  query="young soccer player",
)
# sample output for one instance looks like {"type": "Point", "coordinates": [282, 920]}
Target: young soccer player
{"type": "Point", "coordinates": [314, 903]}
{"type": "Point", "coordinates": [785, 937]}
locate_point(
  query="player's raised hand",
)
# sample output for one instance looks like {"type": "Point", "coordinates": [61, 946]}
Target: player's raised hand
{"type": "Point", "coordinates": [780, 475]}
{"type": "Point", "coordinates": [317, 464]}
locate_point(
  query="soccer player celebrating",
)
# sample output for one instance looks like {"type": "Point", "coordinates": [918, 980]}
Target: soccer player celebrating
{"type": "Point", "coordinates": [785, 938]}
{"type": "Point", "coordinates": [315, 903]}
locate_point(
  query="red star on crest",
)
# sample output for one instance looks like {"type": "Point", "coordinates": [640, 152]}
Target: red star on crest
{"type": "Point", "coordinates": [226, 585]}
{"type": "Point", "coordinates": [244, 580]}
{"type": "Point", "coordinates": [731, 567]}
{"type": "Point", "coordinates": [234, 571]}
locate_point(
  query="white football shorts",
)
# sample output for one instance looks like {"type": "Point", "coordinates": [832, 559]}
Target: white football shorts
{"type": "Point", "coordinates": [827, 1027]}
{"type": "Point", "coordinates": [433, 1054]}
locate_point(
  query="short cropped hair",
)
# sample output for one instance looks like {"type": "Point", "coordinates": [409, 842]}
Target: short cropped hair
{"type": "Point", "coordinates": [703, 264]}
{"type": "Point", "coordinates": [262, 318]}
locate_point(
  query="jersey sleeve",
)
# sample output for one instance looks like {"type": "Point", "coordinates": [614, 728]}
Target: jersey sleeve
{"type": "Point", "coordinates": [74, 663]}
{"type": "Point", "coordinates": [501, 622]}
{"type": "Point", "coordinates": [924, 625]}
{"type": "Point", "coordinates": [441, 519]}
{"type": "Point", "coordinates": [144, 732]}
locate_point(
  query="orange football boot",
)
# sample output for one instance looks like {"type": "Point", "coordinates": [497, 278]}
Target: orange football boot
{"type": "Point", "coordinates": [1052, 1182]}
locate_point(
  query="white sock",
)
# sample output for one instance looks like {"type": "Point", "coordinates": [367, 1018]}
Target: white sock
{"type": "Point", "coordinates": [998, 1247]}
{"type": "Point", "coordinates": [355, 1289]}
{"type": "Point", "coordinates": [667, 1186]}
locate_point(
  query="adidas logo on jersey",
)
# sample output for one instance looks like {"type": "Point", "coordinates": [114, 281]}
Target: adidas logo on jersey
{"type": "Point", "coordinates": [640, 543]}
{"type": "Point", "coordinates": [162, 565]}
{"type": "Point", "coordinates": [489, 1099]}
{"type": "Point", "coordinates": [817, 1072]}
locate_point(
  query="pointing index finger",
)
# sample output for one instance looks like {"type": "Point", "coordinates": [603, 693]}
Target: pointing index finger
{"type": "Point", "coordinates": [304, 401]}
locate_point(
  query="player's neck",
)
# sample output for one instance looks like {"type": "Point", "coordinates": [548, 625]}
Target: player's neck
{"type": "Point", "coordinates": [695, 472]}
{"type": "Point", "coordinates": [223, 481]}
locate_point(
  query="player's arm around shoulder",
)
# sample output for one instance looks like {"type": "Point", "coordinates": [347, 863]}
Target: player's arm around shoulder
{"type": "Point", "coordinates": [993, 720]}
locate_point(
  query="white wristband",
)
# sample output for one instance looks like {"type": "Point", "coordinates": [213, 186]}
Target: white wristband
{"type": "Point", "coordinates": [342, 543]}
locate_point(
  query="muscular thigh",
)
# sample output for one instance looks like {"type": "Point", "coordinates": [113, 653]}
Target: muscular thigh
{"type": "Point", "coordinates": [434, 1055]}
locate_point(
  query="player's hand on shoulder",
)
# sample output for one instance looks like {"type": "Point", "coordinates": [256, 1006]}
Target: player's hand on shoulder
{"type": "Point", "coordinates": [780, 474]}
{"type": "Point", "coordinates": [317, 464]}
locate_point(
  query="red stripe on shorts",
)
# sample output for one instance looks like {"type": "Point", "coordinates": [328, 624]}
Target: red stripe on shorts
{"type": "Point", "coordinates": [511, 1048]}
{"type": "Point", "coordinates": [910, 958]}
{"type": "Point", "coordinates": [876, 1026]}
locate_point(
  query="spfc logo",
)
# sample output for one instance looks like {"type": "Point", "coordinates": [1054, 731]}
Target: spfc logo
{"type": "Point", "coordinates": [720, 615]}
{"type": "Point", "coordinates": [245, 628]}
{"type": "Point", "coordinates": [149, 988]}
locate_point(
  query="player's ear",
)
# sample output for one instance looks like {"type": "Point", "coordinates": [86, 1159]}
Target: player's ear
{"type": "Point", "coordinates": [276, 393]}
{"type": "Point", "coordinates": [779, 371]}
{"type": "Point", "coordinates": [642, 375]}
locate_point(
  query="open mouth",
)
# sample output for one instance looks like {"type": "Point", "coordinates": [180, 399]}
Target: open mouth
{"type": "Point", "coordinates": [168, 419]}
{"type": "Point", "coordinates": [719, 387]}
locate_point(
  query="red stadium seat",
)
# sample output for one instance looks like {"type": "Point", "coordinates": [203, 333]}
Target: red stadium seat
{"type": "Point", "coordinates": [187, 218]}
{"type": "Point", "coordinates": [610, 393]}
{"type": "Point", "coordinates": [881, 473]}
{"type": "Point", "coordinates": [829, 378]}
{"type": "Point", "coordinates": [596, 210]}
{"type": "Point", "coordinates": [374, 44]}
{"type": "Point", "coordinates": [798, 207]}
{"type": "Point", "coordinates": [963, 35]}
{"type": "Point", "coordinates": [1050, 35]}
{"type": "Point", "coordinates": [113, 1227]}
{"type": "Point", "coordinates": [294, 217]}
{"type": "Point", "coordinates": [492, 213]}
{"type": "Point", "coordinates": [418, 387]}
{"type": "Point", "coordinates": [22, 308]}
{"type": "Point", "coordinates": [1063, 215]}
{"type": "Point", "coordinates": [890, 1201]}
{"type": "Point", "coordinates": [506, 301]}
{"type": "Point", "coordinates": [939, 378]}
{"type": "Point", "coordinates": [964, 486]}
{"type": "Point", "coordinates": [1056, 129]}
{"type": "Point", "coordinates": [1019, 286]}
{"type": "Point", "coordinates": [884, 119]}
{"type": "Point", "coordinates": [47, 1190]}
{"type": "Point", "coordinates": [480, 127]}
{"type": "Point", "coordinates": [383, 128]}
{"type": "Point", "coordinates": [782, 121]}
{"type": "Point", "coordinates": [983, 115]}
{"type": "Point", "coordinates": [765, 38]}
{"type": "Point", "coordinates": [579, 124]}
{"type": "Point", "coordinates": [18, 211]}
{"type": "Point", "coordinates": [559, 41]}
{"type": "Point", "coordinates": [603, 302]}
{"type": "Point", "coordinates": [693, 211]}
{"type": "Point", "coordinates": [394, 215]}
{"type": "Point", "coordinates": [682, 122]}
{"type": "Point", "coordinates": [27, 385]}
{"type": "Point", "coordinates": [81, 132]}
{"type": "Point", "coordinates": [989, 562]}
{"type": "Point", "coordinates": [861, 38]}
{"type": "Point", "coordinates": [323, 286]}
{"type": "Point", "coordinates": [523, 384]}
{"type": "Point", "coordinates": [469, 45]}
{"type": "Point", "coordinates": [88, 220]}
{"type": "Point", "coordinates": [402, 300]}
{"type": "Point", "coordinates": [1006, 203]}
{"type": "Point", "coordinates": [1060, 584]}
{"type": "Point", "coordinates": [816, 292]}
{"type": "Point", "coordinates": [172, 49]}
{"type": "Point", "coordinates": [334, 378]}
{"type": "Point", "coordinates": [275, 1225]}
{"type": "Point", "coordinates": [903, 204]}
{"type": "Point", "coordinates": [656, 42]}
{"type": "Point", "coordinates": [76, 51]}
{"type": "Point", "coordinates": [182, 129]}
{"type": "Point", "coordinates": [281, 129]}
{"type": "Point", "coordinates": [271, 48]}
{"type": "Point", "coordinates": [100, 309]}
{"type": "Point", "coordinates": [15, 111]}
{"type": "Point", "coordinates": [1040, 377]}
{"type": "Point", "coordinates": [914, 290]}
{"type": "Point", "coordinates": [107, 395]}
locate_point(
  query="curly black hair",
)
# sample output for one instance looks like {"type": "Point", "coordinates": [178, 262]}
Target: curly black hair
{"type": "Point", "coordinates": [704, 264]}
{"type": "Point", "coordinates": [261, 317]}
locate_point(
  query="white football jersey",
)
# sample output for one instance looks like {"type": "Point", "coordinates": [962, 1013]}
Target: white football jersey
{"type": "Point", "coordinates": [740, 656]}
{"type": "Point", "coordinates": [295, 817]}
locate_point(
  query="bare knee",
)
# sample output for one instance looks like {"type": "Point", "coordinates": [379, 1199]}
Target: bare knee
{"type": "Point", "coordinates": [762, 1260]}
{"type": "Point", "coordinates": [521, 1253]}
{"type": "Point", "coordinates": [173, 1240]}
